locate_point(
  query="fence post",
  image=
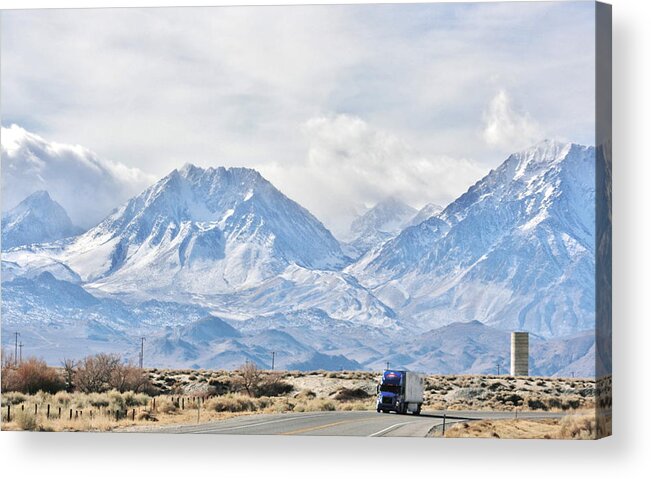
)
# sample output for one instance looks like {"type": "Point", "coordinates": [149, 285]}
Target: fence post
{"type": "Point", "coordinates": [48, 412]}
{"type": "Point", "coordinates": [71, 414]}
{"type": "Point", "coordinates": [35, 409]}
{"type": "Point", "coordinates": [59, 412]}
{"type": "Point", "coordinates": [182, 404]}
{"type": "Point", "coordinates": [443, 433]}
{"type": "Point", "coordinates": [117, 415]}
{"type": "Point", "coordinates": [8, 412]}
{"type": "Point", "coordinates": [133, 415]}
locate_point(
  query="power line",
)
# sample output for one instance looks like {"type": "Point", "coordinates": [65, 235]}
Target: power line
{"type": "Point", "coordinates": [21, 351]}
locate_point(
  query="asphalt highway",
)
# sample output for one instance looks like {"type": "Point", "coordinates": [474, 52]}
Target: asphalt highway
{"type": "Point", "coordinates": [343, 423]}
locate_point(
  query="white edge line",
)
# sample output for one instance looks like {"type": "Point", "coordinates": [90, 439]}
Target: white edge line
{"type": "Point", "coordinates": [390, 428]}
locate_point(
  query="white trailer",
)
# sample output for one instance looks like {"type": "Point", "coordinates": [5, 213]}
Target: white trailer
{"type": "Point", "coordinates": [414, 389]}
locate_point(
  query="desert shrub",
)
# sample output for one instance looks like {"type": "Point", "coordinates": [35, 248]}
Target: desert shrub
{"type": "Point", "coordinates": [305, 394]}
{"type": "Point", "coordinates": [554, 403]}
{"type": "Point", "coordinates": [586, 392]}
{"type": "Point", "coordinates": [318, 405]}
{"type": "Point", "coordinates": [132, 399]}
{"type": "Point", "coordinates": [26, 421]}
{"type": "Point", "coordinates": [273, 385]}
{"type": "Point", "coordinates": [116, 401]}
{"type": "Point", "coordinates": [62, 398]}
{"type": "Point", "coordinates": [30, 376]}
{"type": "Point", "coordinates": [13, 398]}
{"type": "Point", "coordinates": [578, 427]}
{"type": "Point", "coordinates": [511, 398]}
{"type": "Point", "coordinates": [98, 400]}
{"type": "Point", "coordinates": [346, 394]}
{"type": "Point", "coordinates": [571, 404]}
{"type": "Point", "coordinates": [536, 404]}
{"type": "Point", "coordinates": [145, 416]}
{"type": "Point", "coordinates": [231, 403]}
{"type": "Point", "coordinates": [280, 406]}
{"type": "Point", "coordinates": [167, 407]}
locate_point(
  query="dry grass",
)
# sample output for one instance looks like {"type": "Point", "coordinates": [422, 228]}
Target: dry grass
{"type": "Point", "coordinates": [568, 427]}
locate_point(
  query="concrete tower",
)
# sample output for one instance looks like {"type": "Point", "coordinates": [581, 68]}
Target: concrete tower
{"type": "Point", "coordinates": [519, 353]}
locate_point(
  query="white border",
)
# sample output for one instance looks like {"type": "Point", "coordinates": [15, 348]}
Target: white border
{"type": "Point", "coordinates": [112, 455]}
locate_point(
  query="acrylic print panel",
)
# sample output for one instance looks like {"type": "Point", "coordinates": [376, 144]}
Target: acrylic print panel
{"type": "Point", "coordinates": [368, 220]}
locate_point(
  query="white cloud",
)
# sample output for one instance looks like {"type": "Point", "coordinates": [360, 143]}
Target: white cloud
{"type": "Point", "coordinates": [350, 165]}
{"type": "Point", "coordinates": [507, 129]}
{"type": "Point", "coordinates": [86, 186]}
{"type": "Point", "coordinates": [156, 88]}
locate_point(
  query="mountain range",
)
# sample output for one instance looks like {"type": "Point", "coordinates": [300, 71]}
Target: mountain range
{"type": "Point", "coordinates": [216, 266]}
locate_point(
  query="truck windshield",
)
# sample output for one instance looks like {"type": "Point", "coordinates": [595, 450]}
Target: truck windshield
{"type": "Point", "coordinates": [390, 388]}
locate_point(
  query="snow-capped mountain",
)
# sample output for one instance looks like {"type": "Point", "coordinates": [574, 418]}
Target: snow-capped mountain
{"type": "Point", "coordinates": [379, 224]}
{"type": "Point", "coordinates": [515, 251]}
{"type": "Point", "coordinates": [197, 231]}
{"type": "Point", "coordinates": [216, 266]}
{"type": "Point", "coordinates": [36, 219]}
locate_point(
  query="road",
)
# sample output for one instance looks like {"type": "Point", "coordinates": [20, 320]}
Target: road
{"type": "Point", "coordinates": [341, 423]}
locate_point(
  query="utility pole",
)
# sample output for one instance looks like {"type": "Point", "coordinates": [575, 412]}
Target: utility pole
{"type": "Point", "coordinates": [387, 365]}
{"type": "Point", "coordinates": [273, 359]}
{"type": "Point", "coordinates": [498, 368]}
{"type": "Point", "coordinates": [142, 351]}
{"type": "Point", "coordinates": [16, 349]}
{"type": "Point", "coordinates": [21, 351]}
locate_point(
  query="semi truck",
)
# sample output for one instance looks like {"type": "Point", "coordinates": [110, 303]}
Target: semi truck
{"type": "Point", "coordinates": [400, 391]}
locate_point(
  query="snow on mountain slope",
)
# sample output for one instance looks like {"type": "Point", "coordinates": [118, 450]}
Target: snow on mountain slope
{"type": "Point", "coordinates": [377, 225]}
{"type": "Point", "coordinates": [36, 219]}
{"type": "Point", "coordinates": [425, 213]}
{"type": "Point", "coordinates": [339, 295]}
{"type": "Point", "coordinates": [197, 231]}
{"type": "Point", "coordinates": [515, 251]}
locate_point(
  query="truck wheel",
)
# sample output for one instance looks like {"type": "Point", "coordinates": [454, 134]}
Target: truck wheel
{"type": "Point", "coordinates": [417, 411]}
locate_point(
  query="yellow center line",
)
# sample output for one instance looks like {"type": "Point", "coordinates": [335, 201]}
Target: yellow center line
{"type": "Point", "coordinates": [323, 426]}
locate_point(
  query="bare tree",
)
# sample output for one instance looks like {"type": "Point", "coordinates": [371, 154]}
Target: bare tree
{"type": "Point", "coordinates": [94, 373]}
{"type": "Point", "coordinates": [249, 377]}
{"type": "Point", "coordinates": [127, 377]}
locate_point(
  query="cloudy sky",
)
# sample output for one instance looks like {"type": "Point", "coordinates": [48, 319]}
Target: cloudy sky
{"type": "Point", "coordinates": [338, 106]}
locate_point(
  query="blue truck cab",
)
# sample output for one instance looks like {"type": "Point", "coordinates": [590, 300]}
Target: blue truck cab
{"type": "Point", "coordinates": [400, 391]}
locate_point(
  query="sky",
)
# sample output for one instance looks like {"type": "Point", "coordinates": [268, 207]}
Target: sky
{"type": "Point", "coordinates": [338, 106]}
